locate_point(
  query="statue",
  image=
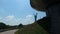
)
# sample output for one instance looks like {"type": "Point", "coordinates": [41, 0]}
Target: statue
{"type": "Point", "coordinates": [52, 9]}
{"type": "Point", "coordinates": [35, 17]}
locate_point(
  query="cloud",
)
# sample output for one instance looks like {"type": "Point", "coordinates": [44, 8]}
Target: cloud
{"type": "Point", "coordinates": [12, 20]}
{"type": "Point", "coordinates": [29, 17]}
{"type": "Point", "coordinates": [27, 20]}
{"type": "Point", "coordinates": [10, 17]}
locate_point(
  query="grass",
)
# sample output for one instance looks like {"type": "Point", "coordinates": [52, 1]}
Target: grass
{"type": "Point", "coordinates": [31, 29]}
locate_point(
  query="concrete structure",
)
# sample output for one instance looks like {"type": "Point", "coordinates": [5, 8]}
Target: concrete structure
{"type": "Point", "coordinates": [52, 9]}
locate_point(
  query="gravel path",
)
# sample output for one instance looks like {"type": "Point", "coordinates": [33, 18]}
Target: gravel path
{"type": "Point", "coordinates": [9, 32]}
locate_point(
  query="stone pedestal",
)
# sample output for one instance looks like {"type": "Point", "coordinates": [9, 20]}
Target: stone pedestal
{"type": "Point", "coordinates": [54, 13]}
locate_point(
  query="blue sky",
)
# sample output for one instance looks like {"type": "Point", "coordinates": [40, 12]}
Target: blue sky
{"type": "Point", "coordinates": [14, 12]}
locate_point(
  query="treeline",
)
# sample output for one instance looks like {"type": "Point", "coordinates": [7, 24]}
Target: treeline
{"type": "Point", "coordinates": [4, 26]}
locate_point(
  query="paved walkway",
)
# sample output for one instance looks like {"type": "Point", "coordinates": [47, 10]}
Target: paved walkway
{"type": "Point", "coordinates": [9, 32]}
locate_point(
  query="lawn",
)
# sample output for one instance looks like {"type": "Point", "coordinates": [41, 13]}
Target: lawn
{"type": "Point", "coordinates": [31, 29]}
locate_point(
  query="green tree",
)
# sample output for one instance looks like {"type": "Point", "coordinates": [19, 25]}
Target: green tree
{"type": "Point", "coordinates": [2, 25]}
{"type": "Point", "coordinates": [20, 25]}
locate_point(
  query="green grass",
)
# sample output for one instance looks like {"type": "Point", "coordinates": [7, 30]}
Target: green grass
{"type": "Point", "coordinates": [31, 29]}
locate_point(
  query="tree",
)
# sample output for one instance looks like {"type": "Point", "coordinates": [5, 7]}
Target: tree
{"type": "Point", "coordinates": [2, 25]}
{"type": "Point", "coordinates": [20, 25]}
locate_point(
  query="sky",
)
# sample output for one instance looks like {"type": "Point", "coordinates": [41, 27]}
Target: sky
{"type": "Point", "coordinates": [15, 12]}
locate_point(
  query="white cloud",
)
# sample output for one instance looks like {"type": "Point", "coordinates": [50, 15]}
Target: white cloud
{"type": "Point", "coordinates": [27, 20]}
{"type": "Point", "coordinates": [29, 16]}
{"type": "Point", "coordinates": [12, 20]}
{"type": "Point", "coordinates": [10, 17]}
